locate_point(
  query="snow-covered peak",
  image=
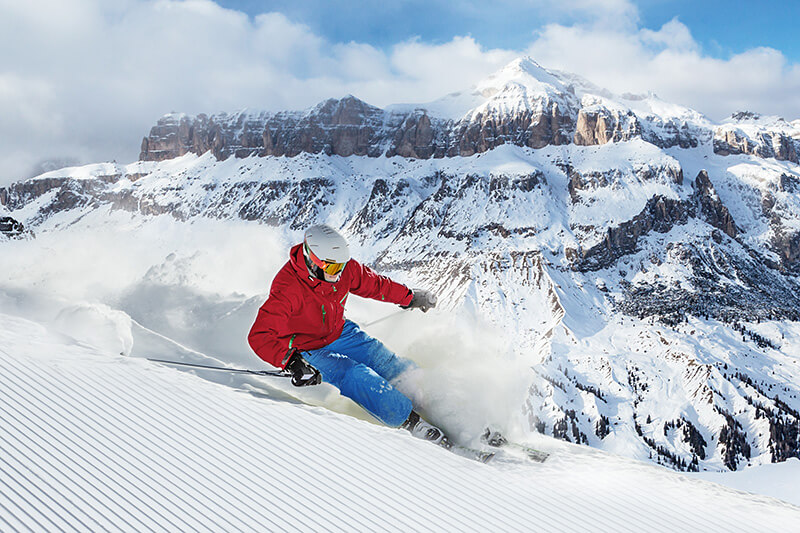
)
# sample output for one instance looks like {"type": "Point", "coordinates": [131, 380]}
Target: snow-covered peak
{"type": "Point", "coordinates": [651, 105]}
{"type": "Point", "coordinates": [174, 116]}
{"type": "Point", "coordinates": [751, 117]}
{"type": "Point", "coordinates": [522, 86]}
{"type": "Point", "coordinates": [755, 124]}
{"type": "Point", "coordinates": [316, 108]}
{"type": "Point", "coordinates": [756, 119]}
{"type": "Point", "coordinates": [86, 172]}
{"type": "Point", "coordinates": [348, 108]}
{"type": "Point", "coordinates": [508, 89]}
{"type": "Point", "coordinates": [523, 72]}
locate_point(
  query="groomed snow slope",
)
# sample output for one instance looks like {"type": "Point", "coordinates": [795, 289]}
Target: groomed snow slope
{"type": "Point", "coordinates": [92, 441]}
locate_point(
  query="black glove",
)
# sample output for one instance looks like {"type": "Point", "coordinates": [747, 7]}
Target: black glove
{"type": "Point", "coordinates": [303, 374]}
{"type": "Point", "coordinates": [422, 299]}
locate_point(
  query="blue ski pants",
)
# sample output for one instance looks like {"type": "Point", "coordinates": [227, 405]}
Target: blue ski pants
{"type": "Point", "coordinates": [361, 367]}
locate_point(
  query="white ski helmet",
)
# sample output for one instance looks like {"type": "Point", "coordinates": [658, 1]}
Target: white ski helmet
{"type": "Point", "coordinates": [326, 252]}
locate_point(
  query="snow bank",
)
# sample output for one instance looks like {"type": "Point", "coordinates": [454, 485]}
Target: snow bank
{"type": "Point", "coordinates": [98, 325]}
{"type": "Point", "coordinates": [777, 480]}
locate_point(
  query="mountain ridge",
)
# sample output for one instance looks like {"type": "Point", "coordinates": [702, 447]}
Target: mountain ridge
{"type": "Point", "coordinates": [523, 104]}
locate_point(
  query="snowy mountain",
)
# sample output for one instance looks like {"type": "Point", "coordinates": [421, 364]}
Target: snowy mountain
{"type": "Point", "coordinates": [523, 104]}
{"type": "Point", "coordinates": [613, 270]}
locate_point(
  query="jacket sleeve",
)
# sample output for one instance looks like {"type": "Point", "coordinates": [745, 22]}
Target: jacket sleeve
{"type": "Point", "coordinates": [369, 284]}
{"type": "Point", "coordinates": [270, 336]}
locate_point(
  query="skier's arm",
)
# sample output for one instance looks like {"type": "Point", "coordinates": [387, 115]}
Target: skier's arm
{"type": "Point", "coordinates": [369, 284]}
{"type": "Point", "coordinates": [270, 336]}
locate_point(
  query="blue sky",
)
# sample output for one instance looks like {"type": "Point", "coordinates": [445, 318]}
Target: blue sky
{"type": "Point", "coordinates": [731, 27]}
{"type": "Point", "coordinates": [722, 27]}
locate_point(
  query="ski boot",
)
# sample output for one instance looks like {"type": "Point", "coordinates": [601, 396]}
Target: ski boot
{"type": "Point", "coordinates": [423, 430]}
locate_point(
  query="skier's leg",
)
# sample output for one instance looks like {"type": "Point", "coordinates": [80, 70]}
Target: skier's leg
{"type": "Point", "coordinates": [359, 346]}
{"type": "Point", "coordinates": [362, 385]}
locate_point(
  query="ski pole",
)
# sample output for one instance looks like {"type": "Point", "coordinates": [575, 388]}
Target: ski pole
{"type": "Point", "coordinates": [277, 373]}
{"type": "Point", "coordinates": [368, 324]}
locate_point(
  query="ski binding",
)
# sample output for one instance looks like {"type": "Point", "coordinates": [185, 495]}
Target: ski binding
{"type": "Point", "coordinates": [496, 440]}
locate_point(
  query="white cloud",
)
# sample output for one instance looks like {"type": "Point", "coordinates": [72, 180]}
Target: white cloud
{"type": "Point", "coordinates": [90, 77]}
{"type": "Point", "coordinates": [669, 62]}
{"type": "Point", "coordinates": [32, 99]}
{"type": "Point", "coordinates": [673, 35]}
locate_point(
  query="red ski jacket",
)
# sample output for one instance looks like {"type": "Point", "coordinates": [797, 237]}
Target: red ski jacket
{"type": "Point", "coordinates": [306, 313]}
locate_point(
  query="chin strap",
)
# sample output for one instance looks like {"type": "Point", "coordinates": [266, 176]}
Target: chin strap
{"type": "Point", "coordinates": [314, 272]}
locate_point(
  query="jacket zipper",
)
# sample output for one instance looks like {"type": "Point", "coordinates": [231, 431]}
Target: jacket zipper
{"type": "Point", "coordinates": [323, 315]}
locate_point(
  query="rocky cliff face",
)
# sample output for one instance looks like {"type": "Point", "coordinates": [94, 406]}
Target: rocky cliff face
{"type": "Point", "coordinates": [335, 127]}
{"type": "Point", "coordinates": [752, 134]}
{"type": "Point", "coordinates": [223, 135]}
{"type": "Point", "coordinates": [660, 215]}
{"type": "Point", "coordinates": [599, 125]}
{"type": "Point", "coordinates": [352, 127]}
{"type": "Point", "coordinates": [554, 112]}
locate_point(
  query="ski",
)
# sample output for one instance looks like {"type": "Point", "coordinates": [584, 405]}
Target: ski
{"type": "Point", "coordinates": [482, 456]}
{"type": "Point", "coordinates": [424, 430]}
{"type": "Point", "coordinates": [497, 440]}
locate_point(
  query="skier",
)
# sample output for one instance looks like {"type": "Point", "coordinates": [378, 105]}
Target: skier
{"type": "Point", "coordinates": [302, 329]}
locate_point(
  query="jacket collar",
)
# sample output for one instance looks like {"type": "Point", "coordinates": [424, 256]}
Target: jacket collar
{"type": "Point", "coordinates": [298, 262]}
{"type": "Point", "coordinates": [299, 267]}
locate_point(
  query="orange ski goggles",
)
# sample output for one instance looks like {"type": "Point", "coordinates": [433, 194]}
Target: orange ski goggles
{"type": "Point", "coordinates": [329, 268]}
